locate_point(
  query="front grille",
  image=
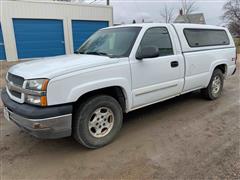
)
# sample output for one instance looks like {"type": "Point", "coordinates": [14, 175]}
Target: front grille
{"type": "Point", "coordinates": [16, 80]}
{"type": "Point", "coordinates": [15, 93]}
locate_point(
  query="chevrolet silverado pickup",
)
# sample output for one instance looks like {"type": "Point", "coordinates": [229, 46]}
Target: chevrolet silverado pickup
{"type": "Point", "coordinates": [117, 70]}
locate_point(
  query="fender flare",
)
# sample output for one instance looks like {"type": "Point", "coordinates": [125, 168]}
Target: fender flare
{"type": "Point", "coordinates": [82, 89]}
{"type": "Point", "coordinates": [214, 65]}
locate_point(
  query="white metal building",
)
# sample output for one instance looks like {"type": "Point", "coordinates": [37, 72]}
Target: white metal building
{"type": "Point", "coordinates": [39, 29]}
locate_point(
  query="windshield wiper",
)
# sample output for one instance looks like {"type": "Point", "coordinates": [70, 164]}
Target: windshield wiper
{"type": "Point", "coordinates": [97, 53]}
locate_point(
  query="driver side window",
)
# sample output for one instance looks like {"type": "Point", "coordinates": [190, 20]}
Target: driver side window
{"type": "Point", "coordinates": [158, 37]}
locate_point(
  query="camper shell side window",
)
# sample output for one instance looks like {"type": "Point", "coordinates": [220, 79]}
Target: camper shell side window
{"type": "Point", "coordinates": [206, 37]}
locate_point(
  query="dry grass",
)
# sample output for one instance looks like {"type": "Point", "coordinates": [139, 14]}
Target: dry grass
{"type": "Point", "coordinates": [237, 42]}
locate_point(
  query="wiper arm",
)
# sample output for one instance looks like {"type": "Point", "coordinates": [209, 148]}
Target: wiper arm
{"type": "Point", "coordinates": [97, 53]}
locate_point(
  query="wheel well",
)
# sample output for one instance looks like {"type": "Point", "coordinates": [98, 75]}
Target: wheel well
{"type": "Point", "coordinates": [222, 67]}
{"type": "Point", "coordinates": [114, 91]}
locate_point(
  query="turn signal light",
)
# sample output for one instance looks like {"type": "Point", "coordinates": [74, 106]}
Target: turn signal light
{"type": "Point", "coordinates": [43, 101]}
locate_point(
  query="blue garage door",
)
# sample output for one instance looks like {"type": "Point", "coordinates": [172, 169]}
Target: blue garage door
{"type": "Point", "coordinates": [39, 38]}
{"type": "Point", "coordinates": [83, 29]}
{"type": "Point", "coordinates": [2, 49]}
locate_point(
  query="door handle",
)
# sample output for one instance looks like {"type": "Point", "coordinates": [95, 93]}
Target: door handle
{"type": "Point", "coordinates": [174, 64]}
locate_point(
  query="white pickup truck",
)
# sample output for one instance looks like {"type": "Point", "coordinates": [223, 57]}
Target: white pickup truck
{"type": "Point", "coordinates": [117, 70]}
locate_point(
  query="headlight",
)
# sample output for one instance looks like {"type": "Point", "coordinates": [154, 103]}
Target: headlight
{"type": "Point", "coordinates": [37, 84]}
{"type": "Point", "coordinates": [36, 92]}
{"type": "Point", "coordinates": [33, 99]}
{"type": "Point", "coordinates": [36, 100]}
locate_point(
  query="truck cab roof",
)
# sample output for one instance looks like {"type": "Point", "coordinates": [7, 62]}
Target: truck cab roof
{"type": "Point", "coordinates": [177, 25]}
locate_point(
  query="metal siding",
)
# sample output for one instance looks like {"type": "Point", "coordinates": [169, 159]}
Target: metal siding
{"type": "Point", "coordinates": [2, 48]}
{"type": "Point", "coordinates": [38, 37]}
{"type": "Point", "coordinates": [83, 29]}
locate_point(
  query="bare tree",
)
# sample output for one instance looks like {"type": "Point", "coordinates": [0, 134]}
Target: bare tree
{"type": "Point", "coordinates": [189, 6]}
{"type": "Point", "coordinates": [167, 14]}
{"type": "Point", "coordinates": [232, 16]}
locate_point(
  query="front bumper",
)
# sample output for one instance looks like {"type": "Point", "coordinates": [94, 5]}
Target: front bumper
{"type": "Point", "coordinates": [45, 123]}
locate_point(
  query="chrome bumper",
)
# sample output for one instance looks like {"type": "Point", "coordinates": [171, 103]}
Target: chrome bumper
{"type": "Point", "coordinates": [47, 128]}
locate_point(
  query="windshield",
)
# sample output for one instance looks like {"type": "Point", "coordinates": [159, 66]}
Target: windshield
{"type": "Point", "coordinates": [115, 42]}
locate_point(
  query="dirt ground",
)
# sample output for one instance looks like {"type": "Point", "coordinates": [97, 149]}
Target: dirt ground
{"type": "Point", "coordinates": [183, 138]}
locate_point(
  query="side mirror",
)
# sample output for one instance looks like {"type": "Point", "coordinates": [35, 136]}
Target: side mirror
{"type": "Point", "coordinates": [148, 52]}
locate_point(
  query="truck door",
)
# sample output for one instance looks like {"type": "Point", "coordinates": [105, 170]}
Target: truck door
{"type": "Point", "coordinates": [159, 78]}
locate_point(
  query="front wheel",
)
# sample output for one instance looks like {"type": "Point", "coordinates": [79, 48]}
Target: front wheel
{"type": "Point", "coordinates": [97, 121]}
{"type": "Point", "coordinates": [215, 86]}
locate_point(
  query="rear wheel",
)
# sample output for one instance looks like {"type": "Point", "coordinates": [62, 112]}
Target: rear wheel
{"type": "Point", "coordinates": [215, 86]}
{"type": "Point", "coordinates": [97, 121]}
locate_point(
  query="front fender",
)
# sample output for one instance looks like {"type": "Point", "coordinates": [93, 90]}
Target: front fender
{"type": "Point", "coordinates": [82, 89]}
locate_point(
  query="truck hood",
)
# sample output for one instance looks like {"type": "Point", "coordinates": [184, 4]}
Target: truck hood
{"type": "Point", "coordinates": [59, 65]}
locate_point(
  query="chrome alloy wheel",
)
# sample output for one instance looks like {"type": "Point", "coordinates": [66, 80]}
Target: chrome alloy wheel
{"type": "Point", "coordinates": [101, 122]}
{"type": "Point", "coordinates": [216, 85]}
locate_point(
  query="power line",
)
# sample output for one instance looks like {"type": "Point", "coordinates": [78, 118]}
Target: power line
{"type": "Point", "coordinates": [108, 2]}
{"type": "Point", "coordinates": [93, 1]}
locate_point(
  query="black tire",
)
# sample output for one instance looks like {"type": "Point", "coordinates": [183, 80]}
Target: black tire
{"type": "Point", "coordinates": [84, 114]}
{"type": "Point", "coordinates": [208, 92]}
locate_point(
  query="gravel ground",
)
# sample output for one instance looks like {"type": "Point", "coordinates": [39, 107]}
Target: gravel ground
{"type": "Point", "coordinates": [183, 138]}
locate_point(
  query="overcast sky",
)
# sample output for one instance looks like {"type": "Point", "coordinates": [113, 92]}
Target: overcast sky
{"type": "Point", "coordinates": [127, 10]}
